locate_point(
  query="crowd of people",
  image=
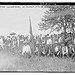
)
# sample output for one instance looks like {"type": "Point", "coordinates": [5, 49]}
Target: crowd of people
{"type": "Point", "coordinates": [47, 45]}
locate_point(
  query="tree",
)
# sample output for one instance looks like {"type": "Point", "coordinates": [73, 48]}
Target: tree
{"type": "Point", "coordinates": [57, 18]}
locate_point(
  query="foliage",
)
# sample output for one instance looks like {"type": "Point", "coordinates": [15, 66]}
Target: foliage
{"type": "Point", "coordinates": [58, 17]}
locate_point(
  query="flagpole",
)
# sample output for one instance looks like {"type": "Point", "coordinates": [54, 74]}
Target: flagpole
{"type": "Point", "coordinates": [31, 37]}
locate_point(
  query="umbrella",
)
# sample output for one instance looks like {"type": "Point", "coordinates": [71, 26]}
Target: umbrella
{"type": "Point", "coordinates": [13, 33]}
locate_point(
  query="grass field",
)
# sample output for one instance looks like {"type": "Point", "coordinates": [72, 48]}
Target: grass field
{"type": "Point", "coordinates": [9, 62]}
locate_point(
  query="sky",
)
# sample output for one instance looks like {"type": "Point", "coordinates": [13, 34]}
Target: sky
{"type": "Point", "coordinates": [13, 19]}
{"type": "Point", "coordinates": [17, 20]}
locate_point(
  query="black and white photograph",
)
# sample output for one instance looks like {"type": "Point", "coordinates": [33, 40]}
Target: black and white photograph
{"type": "Point", "coordinates": [37, 37]}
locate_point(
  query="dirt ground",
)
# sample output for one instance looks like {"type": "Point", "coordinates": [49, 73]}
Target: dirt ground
{"type": "Point", "coordinates": [9, 62]}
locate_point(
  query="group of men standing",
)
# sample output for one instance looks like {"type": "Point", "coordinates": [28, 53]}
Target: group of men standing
{"type": "Point", "coordinates": [48, 45]}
